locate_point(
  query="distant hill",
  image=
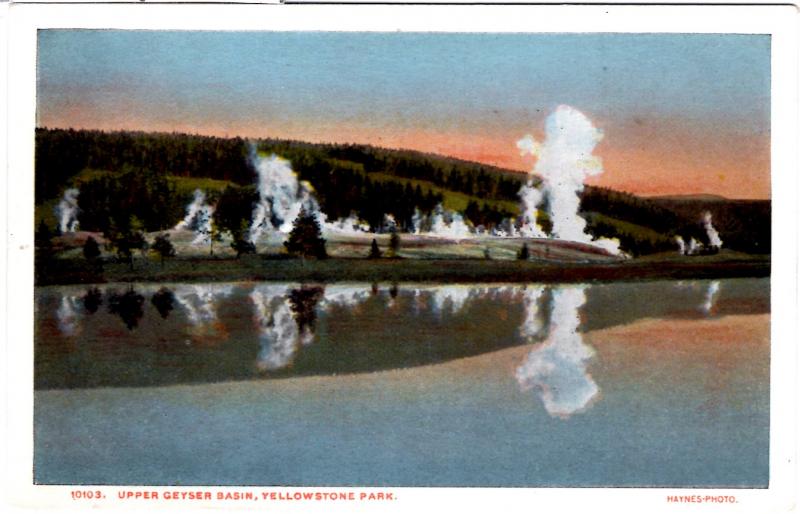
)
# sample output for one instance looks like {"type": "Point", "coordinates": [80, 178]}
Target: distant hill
{"type": "Point", "coordinates": [151, 176]}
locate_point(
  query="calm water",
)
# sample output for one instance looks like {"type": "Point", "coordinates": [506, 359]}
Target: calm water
{"type": "Point", "coordinates": [622, 384]}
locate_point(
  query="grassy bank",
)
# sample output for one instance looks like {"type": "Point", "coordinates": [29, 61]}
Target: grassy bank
{"type": "Point", "coordinates": [258, 268]}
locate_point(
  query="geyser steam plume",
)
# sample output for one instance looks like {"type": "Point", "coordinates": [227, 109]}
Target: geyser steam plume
{"type": "Point", "coordinates": [67, 211]}
{"type": "Point", "coordinates": [564, 161]}
{"type": "Point", "coordinates": [713, 236]}
{"type": "Point", "coordinates": [280, 196]}
{"type": "Point", "coordinates": [198, 218]}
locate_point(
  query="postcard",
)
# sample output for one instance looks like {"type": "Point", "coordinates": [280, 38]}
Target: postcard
{"type": "Point", "coordinates": [369, 258]}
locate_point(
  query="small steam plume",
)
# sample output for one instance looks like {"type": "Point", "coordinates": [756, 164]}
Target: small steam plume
{"type": "Point", "coordinates": [564, 161]}
{"type": "Point", "coordinates": [713, 236]}
{"type": "Point", "coordinates": [389, 223]}
{"type": "Point", "coordinates": [681, 245]}
{"type": "Point", "coordinates": [199, 218]}
{"type": "Point", "coordinates": [557, 367]}
{"type": "Point", "coordinates": [350, 225]}
{"type": "Point", "coordinates": [67, 211]}
{"type": "Point", "coordinates": [442, 223]}
{"type": "Point", "coordinates": [530, 198]}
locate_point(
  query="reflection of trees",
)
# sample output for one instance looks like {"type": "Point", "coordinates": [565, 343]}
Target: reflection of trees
{"type": "Point", "coordinates": [127, 306]}
{"type": "Point", "coordinates": [92, 300]}
{"type": "Point", "coordinates": [304, 306]}
{"type": "Point", "coordinates": [164, 301]}
{"type": "Point", "coordinates": [285, 321]}
{"type": "Point", "coordinates": [557, 367]}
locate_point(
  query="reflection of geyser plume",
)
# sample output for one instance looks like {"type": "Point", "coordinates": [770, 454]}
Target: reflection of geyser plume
{"type": "Point", "coordinates": [279, 334]}
{"type": "Point", "coordinates": [200, 305]}
{"type": "Point", "coordinates": [564, 161]}
{"type": "Point", "coordinates": [280, 196]}
{"type": "Point", "coordinates": [533, 324]}
{"type": "Point", "coordinates": [199, 218]}
{"type": "Point", "coordinates": [69, 315]}
{"type": "Point", "coordinates": [449, 299]}
{"type": "Point", "coordinates": [713, 236]}
{"type": "Point", "coordinates": [67, 211]}
{"type": "Point", "coordinates": [557, 367]}
{"type": "Point", "coordinates": [344, 295]}
{"type": "Point", "coordinates": [711, 295]}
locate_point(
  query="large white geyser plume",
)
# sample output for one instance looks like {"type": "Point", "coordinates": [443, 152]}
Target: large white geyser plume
{"type": "Point", "coordinates": [281, 196]}
{"type": "Point", "coordinates": [564, 161]}
{"type": "Point", "coordinates": [67, 211]}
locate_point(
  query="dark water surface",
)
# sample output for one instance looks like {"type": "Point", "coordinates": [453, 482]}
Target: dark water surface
{"type": "Point", "coordinates": [619, 384]}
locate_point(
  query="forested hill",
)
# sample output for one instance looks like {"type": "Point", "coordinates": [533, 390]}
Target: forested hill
{"type": "Point", "coordinates": [152, 175]}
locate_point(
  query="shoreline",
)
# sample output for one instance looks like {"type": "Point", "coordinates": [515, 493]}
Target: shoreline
{"type": "Point", "coordinates": [266, 269]}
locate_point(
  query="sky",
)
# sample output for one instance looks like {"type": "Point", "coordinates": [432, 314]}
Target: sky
{"type": "Point", "coordinates": [680, 113]}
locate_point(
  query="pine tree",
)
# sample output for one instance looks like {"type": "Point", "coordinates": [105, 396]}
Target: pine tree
{"type": "Point", "coordinates": [394, 243]}
{"type": "Point", "coordinates": [163, 246]}
{"type": "Point", "coordinates": [523, 253]}
{"type": "Point", "coordinates": [374, 251]}
{"type": "Point", "coordinates": [306, 239]}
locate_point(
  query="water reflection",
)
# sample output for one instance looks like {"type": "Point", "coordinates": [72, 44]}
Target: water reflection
{"type": "Point", "coordinates": [289, 330]}
{"type": "Point", "coordinates": [449, 299]}
{"type": "Point", "coordinates": [199, 302]}
{"type": "Point", "coordinates": [68, 315]}
{"type": "Point", "coordinates": [92, 300]}
{"type": "Point", "coordinates": [279, 335]}
{"type": "Point", "coordinates": [128, 306]}
{"type": "Point", "coordinates": [556, 368]}
{"type": "Point", "coordinates": [346, 296]}
{"type": "Point", "coordinates": [163, 301]}
{"type": "Point", "coordinates": [711, 295]}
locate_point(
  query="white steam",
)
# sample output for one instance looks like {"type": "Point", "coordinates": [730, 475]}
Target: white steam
{"type": "Point", "coordinates": [681, 245]}
{"type": "Point", "coordinates": [280, 196]}
{"type": "Point", "coordinates": [67, 211]}
{"type": "Point", "coordinates": [199, 218]}
{"type": "Point", "coordinates": [351, 225]}
{"type": "Point", "coordinates": [713, 236]}
{"type": "Point", "coordinates": [556, 368]}
{"type": "Point", "coordinates": [565, 161]}
{"type": "Point", "coordinates": [442, 223]}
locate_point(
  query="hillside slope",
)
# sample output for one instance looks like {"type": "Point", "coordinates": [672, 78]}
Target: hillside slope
{"type": "Point", "coordinates": [150, 176]}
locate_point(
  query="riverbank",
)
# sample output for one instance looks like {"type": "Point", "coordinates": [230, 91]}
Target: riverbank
{"type": "Point", "coordinates": [260, 268]}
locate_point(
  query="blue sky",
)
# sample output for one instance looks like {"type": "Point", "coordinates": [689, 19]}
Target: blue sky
{"type": "Point", "coordinates": [327, 85]}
